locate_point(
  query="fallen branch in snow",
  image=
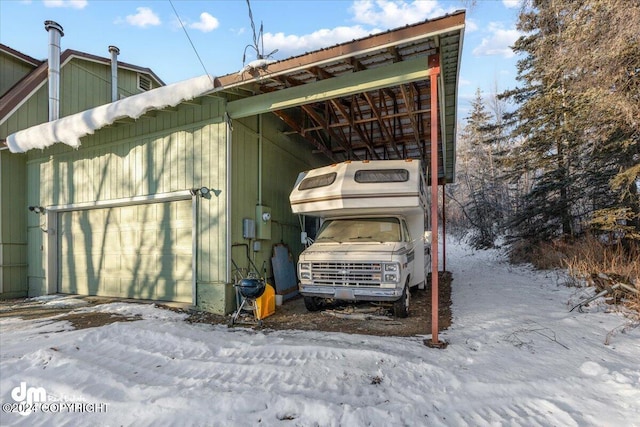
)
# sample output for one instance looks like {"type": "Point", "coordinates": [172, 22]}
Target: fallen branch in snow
{"type": "Point", "coordinates": [608, 284]}
{"type": "Point", "coordinates": [624, 328]}
{"type": "Point", "coordinates": [515, 339]}
{"type": "Point", "coordinates": [595, 297]}
{"type": "Point", "coordinates": [553, 338]}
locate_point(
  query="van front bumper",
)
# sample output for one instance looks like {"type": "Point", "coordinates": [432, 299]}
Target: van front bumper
{"type": "Point", "coordinates": [350, 293]}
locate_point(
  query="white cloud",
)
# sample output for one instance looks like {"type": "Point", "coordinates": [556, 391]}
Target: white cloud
{"type": "Point", "coordinates": [392, 14]}
{"type": "Point", "coordinates": [370, 16]}
{"type": "Point", "coordinates": [74, 4]}
{"type": "Point", "coordinates": [498, 43]}
{"type": "Point", "coordinates": [206, 24]}
{"type": "Point", "coordinates": [511, 4]}
{"type": "Point", "coordinates": [294, 44]}
{"type": "Point", "coordinates": [238, 31]}
{"type": "Point", "coordinates": [470, 26]}
{"type": "Point", "coordinates": [464, 82]}
{"type": "Point", "coordinates": [143, 18]}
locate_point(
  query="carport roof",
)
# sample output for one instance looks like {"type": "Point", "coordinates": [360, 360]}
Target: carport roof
{"type": "Point", "coordinates": [365, 99]}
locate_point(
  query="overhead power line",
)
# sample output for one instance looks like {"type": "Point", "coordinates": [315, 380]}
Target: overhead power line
{"type": "Point", "coordinates": [191, 42]}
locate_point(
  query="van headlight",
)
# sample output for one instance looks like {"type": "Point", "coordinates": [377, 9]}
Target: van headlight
{"type": "Point", "coordinates": [304, 270]}
{"type": "Point", "coordinates": [391, 272]}
{"type": "Point", "coordinates": [392, 266]}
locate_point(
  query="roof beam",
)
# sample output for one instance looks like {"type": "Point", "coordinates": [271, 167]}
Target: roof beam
{"type": "Point", "coordinates": [349, 84]}
{"type": "Point", "coordinates": [349, 120]}
{"type": "Point", "coordinates": [325, 125]}
{"type": "Point", "coordinates": [383, 127]}
{"type": "Point", "coordinates": [409, 103]}
{"type": "Point", "coordinates": [296, 127]}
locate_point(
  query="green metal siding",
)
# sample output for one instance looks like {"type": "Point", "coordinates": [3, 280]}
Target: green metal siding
{"type": "Point", "coordinates": [282, 159]}
{"type": "Point", "coordinates": [12, 71]}
{"type": "Point", "coordinates": [13, 247]}
{"type": "Point", "coordinates": [164, 152]}
{"type": "Point", "coordinates": [33, 112]}
{"type": "Point", "coordinates": [86, 84]}
{"type": "Point", "coordinates": [169, 151]}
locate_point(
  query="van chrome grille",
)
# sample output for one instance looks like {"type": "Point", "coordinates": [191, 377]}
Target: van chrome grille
{"type": "Point", "coordinates": [347, 273]}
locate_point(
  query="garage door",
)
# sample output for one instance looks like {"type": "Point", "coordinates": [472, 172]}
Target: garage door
{"type": "Point", "coordinates": [142, 251]}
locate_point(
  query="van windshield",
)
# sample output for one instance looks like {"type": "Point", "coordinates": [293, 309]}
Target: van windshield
{"type": "Point", "coordinates": [360, 230]}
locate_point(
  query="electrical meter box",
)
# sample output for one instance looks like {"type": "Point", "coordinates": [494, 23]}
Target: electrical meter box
{"type": "Point", "coordinates": [263, 222]}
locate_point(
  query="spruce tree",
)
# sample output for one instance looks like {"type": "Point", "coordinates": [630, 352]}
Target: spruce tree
{"type": "Point", "coordinates": [547, 128]}
{"type": "Point", "coordinates": [579, 110]}
{"type": "Point", "coordinates": [602, 39]}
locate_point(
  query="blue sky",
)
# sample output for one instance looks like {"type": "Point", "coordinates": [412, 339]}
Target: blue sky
{"type": "Point", "coordinates": [148, 33]}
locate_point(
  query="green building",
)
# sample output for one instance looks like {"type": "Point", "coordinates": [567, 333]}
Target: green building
{"type": "Point", "coordinates": [83, 81]}
{"type": "Point", "coordinates": [163, 195]}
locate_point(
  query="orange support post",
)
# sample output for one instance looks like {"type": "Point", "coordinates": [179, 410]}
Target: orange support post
{"type": "Point", "coordinates": [434, 71]}
{"type": "Point", "coordinates": [444, 227]}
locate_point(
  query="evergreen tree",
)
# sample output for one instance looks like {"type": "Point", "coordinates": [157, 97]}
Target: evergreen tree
{"type": "Point", "coordinates": [577, 116]}
{"type": "Point", "coordinates": [545, 124]}
{"type": "Point", "coordinates": [602, 39]}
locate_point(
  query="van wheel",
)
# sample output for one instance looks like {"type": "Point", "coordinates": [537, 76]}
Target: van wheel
{"type": "Point", "coordinates": [401, 306]}
{"type": "Point", "coordinates": [312, 303]}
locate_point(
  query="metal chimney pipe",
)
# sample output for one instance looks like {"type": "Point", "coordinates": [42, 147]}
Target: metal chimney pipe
{"type": "Point", "coordinates": [114, 72]}
{"type": "Point", "coordinates": [55, 34]}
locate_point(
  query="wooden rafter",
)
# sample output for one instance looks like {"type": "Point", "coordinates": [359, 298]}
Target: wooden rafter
{"type": "Point", "coordinates": [388, 138]}
{"type": "Point", "coordinates": [409, 105]}
{"type": "Point", "coordinates": [294, 125]}
{"type": "Point", "coordinates": [321, 121]}
{"type": "Point", "coordinates": [331, 115]}
{"type": "Point", "coordinates": [349, 119]}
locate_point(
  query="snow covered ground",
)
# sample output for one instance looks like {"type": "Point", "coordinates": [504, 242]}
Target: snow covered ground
{"type": "Point", "coordinates": [516, 356]}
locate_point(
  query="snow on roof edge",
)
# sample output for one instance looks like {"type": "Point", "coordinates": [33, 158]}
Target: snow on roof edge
{"type": "Point", "coordinates": [70, 129]}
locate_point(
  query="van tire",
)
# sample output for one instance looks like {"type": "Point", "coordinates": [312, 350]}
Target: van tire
{"type": "Point", "coordinates": [312, 303]}
{"type": "Point", "coordinates": [401, 306]}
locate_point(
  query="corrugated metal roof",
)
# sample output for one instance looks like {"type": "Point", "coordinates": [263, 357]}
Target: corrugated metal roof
{"type": "Point", "coordinates": [390, 118]}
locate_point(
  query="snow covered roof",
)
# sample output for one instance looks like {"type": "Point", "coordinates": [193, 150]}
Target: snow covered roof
{"type": "Point", "coordinates": [70, 129]}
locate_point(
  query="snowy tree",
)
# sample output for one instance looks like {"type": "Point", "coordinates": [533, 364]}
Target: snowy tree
{"type": "Point", "coordinates": [576, 117]}
{"type": "Point", "coordinates": [481, 194]}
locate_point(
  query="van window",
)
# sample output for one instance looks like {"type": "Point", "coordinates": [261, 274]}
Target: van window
{"type": "Point", "coordinates": [317, 181]}
{"type": "Point", "coordinates": [342, 230]}
{"type": "Point", "coordinates": [381, 175]}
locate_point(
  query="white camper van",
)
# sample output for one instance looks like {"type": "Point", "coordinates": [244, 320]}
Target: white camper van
{"type": "Point", "coordinates": [371, 245]}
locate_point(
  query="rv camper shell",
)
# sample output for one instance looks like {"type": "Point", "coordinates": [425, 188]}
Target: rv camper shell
{"type": "Point", "coordinates": [371, 244]}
